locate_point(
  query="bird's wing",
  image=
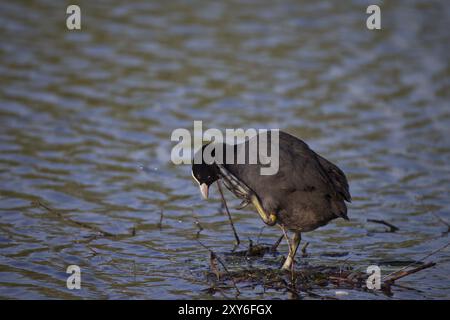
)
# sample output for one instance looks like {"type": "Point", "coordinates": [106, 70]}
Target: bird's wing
{"type": "Point", "coordinates": [337, 177]}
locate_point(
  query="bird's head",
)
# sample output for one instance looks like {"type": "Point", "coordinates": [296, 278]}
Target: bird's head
{"type": "Point", "coordinates": [203, 173]}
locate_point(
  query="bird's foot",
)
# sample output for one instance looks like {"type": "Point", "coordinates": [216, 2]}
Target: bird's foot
{"type": "Point", "coordinates": [269, 219]}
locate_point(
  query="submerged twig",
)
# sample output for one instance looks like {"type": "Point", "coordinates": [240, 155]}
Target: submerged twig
{"type": "Point", "coordinates": [200, 228]}
{"type": "Point", "coordinates": [276, 244]}
{"type": "Point", "coordinates": [228, 213]}
{"type": "Point", "coordinates": [403, 273]}
{"type": "Point", "coordinates": [260, 233]}
{"type": "Point", "coordinates": [213, 264]}
{"type": "Point", "coordinates": [161, 217]}
{"type": "Point", "coordinates": [392, 228]}
{"type": "Point", "coordinates": [442, 221]}
{"type": "Point", "coordinates": [94, 253]}
{"type": "Point", "coordinates": [73, 222]}
{"type": "Point", "coordinates": [134, 270]}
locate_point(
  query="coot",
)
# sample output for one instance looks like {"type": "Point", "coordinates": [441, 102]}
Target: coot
{"type": "Point", "coordinates": [307, 192]}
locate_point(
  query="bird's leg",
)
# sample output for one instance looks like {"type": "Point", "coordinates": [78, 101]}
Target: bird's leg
{"type": "Point", "coordinates": [287, 263]}
{"type": "Point", "coordinates": [293, 246]}
{"type": "Point", "coordinates": [295, 243]}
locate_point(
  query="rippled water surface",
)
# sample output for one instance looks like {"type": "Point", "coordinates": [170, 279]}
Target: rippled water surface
{"type": "Point", "coordinates": [86, 118]}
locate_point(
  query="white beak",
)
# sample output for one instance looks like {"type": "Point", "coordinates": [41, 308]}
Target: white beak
{"type": "Point", "coordinates": [204, 190]}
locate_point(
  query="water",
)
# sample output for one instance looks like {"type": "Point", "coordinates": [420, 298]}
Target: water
{"type": "Point", "coordinates": [86, 118]}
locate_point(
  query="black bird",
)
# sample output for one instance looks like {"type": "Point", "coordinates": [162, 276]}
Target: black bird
{"type": "Point", "coordinates": [307, 192]}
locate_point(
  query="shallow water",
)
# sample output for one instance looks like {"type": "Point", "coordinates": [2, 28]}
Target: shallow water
{"type": "Point", "coordinates": [86, 118]}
